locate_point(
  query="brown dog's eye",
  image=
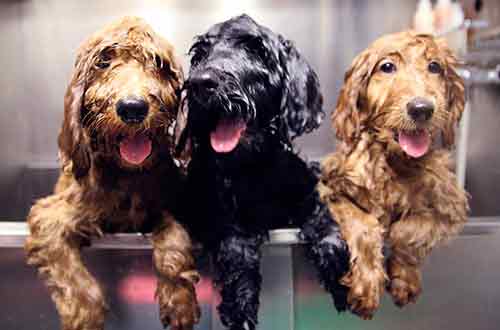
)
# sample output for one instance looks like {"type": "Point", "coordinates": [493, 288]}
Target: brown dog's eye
{"type": "Point", "coordinates": [435, 67]}
{"type": "Point", "coordinates": [102, 65]}
{"type": "Point", "coordinates": [158, 62]}
{"type": "Point", "coordinates": [104, 60]}
{"type": "Point", "coordinates": [388, 67]}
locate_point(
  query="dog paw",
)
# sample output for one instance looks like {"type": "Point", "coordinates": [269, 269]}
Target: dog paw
{"type": "Point", "coordinates": [362, 303]}
{"type": "Point", "coordinates": [403, 292]}
{"type": "Point", "coordinates": [365, 292]}
{"type": "Point", "coordinates": [179, 308]}
{"type": "Point", "coordinates": [405, 282]}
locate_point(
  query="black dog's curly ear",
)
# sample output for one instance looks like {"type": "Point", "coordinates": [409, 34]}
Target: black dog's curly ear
{"type": "Point", "coordinates": [183, 144]}
{"type": "Point", "coordinates": [74, 145]}
{"type": "Point", "coordinates": [303, 101]}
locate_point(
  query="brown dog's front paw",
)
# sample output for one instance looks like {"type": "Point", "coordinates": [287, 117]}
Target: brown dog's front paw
{"type": "Point", "coordinates": [364, 300]}
{"type": "Point", "coordinates": [404, 292]}
{"type": "Point", "coordinates": [405, 282]}
{"type": "Point", "coordinates": [365, 292]}
{"type": "Point", "coordinates": [178, 306]}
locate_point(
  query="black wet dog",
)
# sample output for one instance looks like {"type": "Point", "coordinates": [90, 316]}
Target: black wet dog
{"type": "Point", "coordinates": [249, 93]}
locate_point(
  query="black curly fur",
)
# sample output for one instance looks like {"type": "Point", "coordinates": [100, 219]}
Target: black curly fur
{"type": "Point", "coordinates": [241, 70]}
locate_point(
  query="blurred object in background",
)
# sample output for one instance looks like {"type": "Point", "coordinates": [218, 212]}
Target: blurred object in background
{"type": "Point", "coordinates": [444, 18]}
{"type": "Point", "coordinates": [423, 21]}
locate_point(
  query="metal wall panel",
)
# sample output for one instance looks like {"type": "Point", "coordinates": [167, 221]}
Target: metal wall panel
{"type": "Point", "coordinates": [39, 40]}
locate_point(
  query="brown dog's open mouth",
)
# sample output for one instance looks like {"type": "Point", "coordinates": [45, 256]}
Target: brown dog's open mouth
{"type": "Point", "coordinates": [414, 143]}
{"type": "Point", "coordinates": [226, 135]}
{"type": "Point", "coordinates": [135, 149]}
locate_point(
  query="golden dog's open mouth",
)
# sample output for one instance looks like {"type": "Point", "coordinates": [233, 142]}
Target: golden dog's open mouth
{"type": "Point", "coordinates": [415, 143]}
{"type": "Point", "coordinates": [135, 149]}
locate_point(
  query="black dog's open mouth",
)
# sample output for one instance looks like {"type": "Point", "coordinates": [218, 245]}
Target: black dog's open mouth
{"type": "Point", "coordinates": [414, 143]}
{"type": "Point", "coordinates": [227, 134]}
{"type": "Point", "coordinates": [135, 149]}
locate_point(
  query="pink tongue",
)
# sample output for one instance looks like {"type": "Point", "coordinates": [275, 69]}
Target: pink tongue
{"type": "Point", "coordinates": [226, 135]}
{"type": "Point", "coordinates": [416, 143]}
{"type": "Point", "coordinates": [135, 150]}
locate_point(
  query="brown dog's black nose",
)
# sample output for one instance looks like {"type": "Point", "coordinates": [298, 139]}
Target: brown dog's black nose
{"type": "Point", "coordinates": [132, 110]}
{"type": "Point", "coordinates": [420, 109]}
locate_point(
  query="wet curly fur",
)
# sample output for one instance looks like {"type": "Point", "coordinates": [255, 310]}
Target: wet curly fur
{"type": "Point", "coordinates": [99, 191]}
{"type": "Point", "coordinates": [378, 190]}
{"type": "Point", "coordinates": [241, 71]}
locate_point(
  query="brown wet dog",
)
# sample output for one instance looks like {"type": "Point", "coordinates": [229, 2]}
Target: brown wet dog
{"type": "Point", "coordinates": [389, 182]}
{"type": "Point", "coordinates": [117, 174]}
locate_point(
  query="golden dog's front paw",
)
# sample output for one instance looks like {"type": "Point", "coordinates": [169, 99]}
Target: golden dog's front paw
{"type": "Point", "coordinates": [179, 308]}
{"type": "Point", "coordinates": [365, 289]}
{"type": "Point", "coordinates": [405, 283]}
{"type": "Point", "coordinates": [403, 292]}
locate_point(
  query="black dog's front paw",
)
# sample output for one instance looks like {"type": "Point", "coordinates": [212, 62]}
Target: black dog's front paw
{"type": "Point", "coordinates": [329, 253]}
{"type": "Point", "coordinates": [238, 276]}
{"type": "Point", "coordinates": [240, 303]}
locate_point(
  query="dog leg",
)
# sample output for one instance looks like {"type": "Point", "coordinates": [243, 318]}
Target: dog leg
{"type": "Point", "coordinates": [411, 241]}
{"type": "Point", "coordinates": [327, 250]}
{"type": "Point", "coordinates": [57, 232]}
{"type": "Point", "coordinates": [364, 237]}
{"type": "Point", "coordinates": [238, 276]}
{"type": "Point", "coordinates": [177, 276]}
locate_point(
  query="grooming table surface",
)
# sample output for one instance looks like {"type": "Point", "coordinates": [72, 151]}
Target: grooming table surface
{"type": "Point", "coordinates": [461, 288]}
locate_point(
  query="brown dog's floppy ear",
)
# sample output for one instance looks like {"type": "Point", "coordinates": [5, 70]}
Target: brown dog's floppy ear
{"type": "Point", "coordinates": [349, 114]}
{"type": "Point", "coordinates": [73, 144]}
{"type": "Point", "coordinates": [303, 101]}
{"type": "Point", "coordinates": [456, 93]}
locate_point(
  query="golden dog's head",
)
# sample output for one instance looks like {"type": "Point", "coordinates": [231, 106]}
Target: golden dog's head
{"type": "Point", "coordinates": [405, 90]}
{"type": "Point", "coordinates": [122, 101]}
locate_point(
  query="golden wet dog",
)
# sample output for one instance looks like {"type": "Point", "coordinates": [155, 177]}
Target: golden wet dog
{"type": "Point", "coordinates": [389, 181]}
{"type": "Point", "coordinates": [117, 174]}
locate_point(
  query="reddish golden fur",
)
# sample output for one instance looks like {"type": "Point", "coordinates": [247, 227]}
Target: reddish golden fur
{"type": "Point", "coordinates": [99, 192]}
{"type": "Point", "coordinates": [376, 192]}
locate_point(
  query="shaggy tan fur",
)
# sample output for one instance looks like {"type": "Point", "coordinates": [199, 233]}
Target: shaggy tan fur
{"type": "Point", "coordinates": [378, 193]}
{"type": "Point", "coordinates": [98, 191]}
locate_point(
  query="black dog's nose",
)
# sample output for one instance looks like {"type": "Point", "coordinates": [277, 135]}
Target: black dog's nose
{"type": "Point", "coordinates": [420, 109]}
{"type": "Point", "coordinates": [205, 81]}
{"type": "Point", "coordinates": [132, 110]}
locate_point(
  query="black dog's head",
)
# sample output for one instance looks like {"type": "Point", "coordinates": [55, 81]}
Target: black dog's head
{"type": "Point", "coordinates": [248, 85]}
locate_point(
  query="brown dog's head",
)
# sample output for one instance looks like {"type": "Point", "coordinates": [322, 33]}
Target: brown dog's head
{"type": "Point", "coordinates": [404, 86]}
{"type": "Point", "coordinates": [122, 101]}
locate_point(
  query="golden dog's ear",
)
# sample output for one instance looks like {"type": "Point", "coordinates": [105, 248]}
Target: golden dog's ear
{"type": "Point", "coordinates": [73, 144]}
{"type": "Point", "coordinates": [349, 115]}
{"type": "Point", "coordinates": [455, 93]}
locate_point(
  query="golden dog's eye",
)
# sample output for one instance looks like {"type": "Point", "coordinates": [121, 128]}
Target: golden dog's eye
{"type": "Point", "coordinates": [435, 67]}
{"type": "Point", "coordinates": [102, 65]}
{"type": "Point", "coordinates": [104, 60]}
{"type": "Point", "coordinates": [158, 62]}
{"type": "Point", "coordinates": [388, 67]}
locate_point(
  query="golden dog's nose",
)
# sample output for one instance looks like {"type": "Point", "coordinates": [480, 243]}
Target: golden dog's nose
{"type": "Point", "coordinates": [420, 109]}
{"type": "Point", "coordinates": [132, 110]}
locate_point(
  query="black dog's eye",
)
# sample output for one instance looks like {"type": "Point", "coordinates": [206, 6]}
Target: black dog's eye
{"type": "Point", "coordinates": [388, 67]}
{"type": "Point", "coordinates": [257, 46]}
{"type": "Point", "coordinates": [198, 56]}
{"type": "Point", "coordinates": [435, 67]}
